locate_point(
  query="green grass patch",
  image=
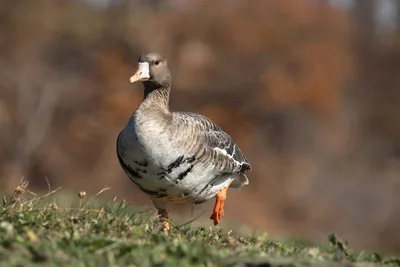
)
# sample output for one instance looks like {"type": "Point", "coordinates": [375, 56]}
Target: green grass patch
{"type": "Point", "coordinates": [38, 230]}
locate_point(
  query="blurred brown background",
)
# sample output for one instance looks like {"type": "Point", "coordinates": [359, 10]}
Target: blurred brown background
{"type": "Point", "coordinates": [308, 89]}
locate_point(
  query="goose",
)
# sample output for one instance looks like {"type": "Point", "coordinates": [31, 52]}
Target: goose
{"type": "Point", "coordinates": [176, 157]}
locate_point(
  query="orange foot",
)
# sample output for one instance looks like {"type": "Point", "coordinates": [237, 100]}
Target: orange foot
{"type": "Point", "coordinates": [219, 206]}
{"type": "Point", "coordinates": [163, 214]}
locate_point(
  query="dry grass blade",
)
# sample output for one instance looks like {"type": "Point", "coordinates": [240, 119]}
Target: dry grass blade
{"type": "Point", "coordinates": [24, 185]}
{"type": "Point", "coordinates": [35, 200]}
{"type": "Point", "coordinates": [91, 199]}
{"type": "Point", "coordinates": [136, 213]}
{"type": "Point", "coordinates": [48, 184]}
{"type": "Point", "coordinates": [192, 220]}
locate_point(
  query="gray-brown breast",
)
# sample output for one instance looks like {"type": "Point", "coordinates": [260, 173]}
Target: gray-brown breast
{"type": "Point", "coordinates": [206, 152]}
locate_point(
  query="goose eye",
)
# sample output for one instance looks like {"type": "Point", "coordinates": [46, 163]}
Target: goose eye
{"type": "Point", "coordinates": [157, 62]}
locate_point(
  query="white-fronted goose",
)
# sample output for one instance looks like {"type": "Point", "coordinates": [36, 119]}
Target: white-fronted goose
{"type": "Point", "coordinates": [176, 157]}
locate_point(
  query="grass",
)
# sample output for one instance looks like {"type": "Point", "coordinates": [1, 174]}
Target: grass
{"type": "Point", "coordinates": [35, 230]}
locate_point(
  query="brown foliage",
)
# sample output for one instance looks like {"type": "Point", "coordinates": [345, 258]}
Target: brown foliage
{"type": "Point", "coordinates": [315, 113]}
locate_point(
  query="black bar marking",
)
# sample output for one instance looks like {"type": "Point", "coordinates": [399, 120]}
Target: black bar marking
{"type": "Point", "coordinates": [142, 171]}
{"type": "Point", "coordinates": [175, 164]}
{"type": "Point", "coordinates": [203, 189]}
{"type": "Point", "coordinates": [244, 167]}
{"type": "Point", "coordinates": [191, 159]}
{"type": "Point", "coordinates": [143, 164]}
{"type": "Point", "coordinates": [149, 192]}
{"type": "Point", "coordinates": [185, 173]}
{"type": "Point", "coordinates": [128, 169]}
{"type": "Point", "coordinates": [162, 192]}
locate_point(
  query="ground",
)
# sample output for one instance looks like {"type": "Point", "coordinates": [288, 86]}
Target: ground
{"type": "Point", "coordinates": [37, 230]}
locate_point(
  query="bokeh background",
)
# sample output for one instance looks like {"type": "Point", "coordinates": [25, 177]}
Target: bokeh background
{"type": "Point", "coordinates": [308, 89]}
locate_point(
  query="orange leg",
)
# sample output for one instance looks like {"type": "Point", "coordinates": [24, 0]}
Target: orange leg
{"type": "Point", "coordinates": [163, 214]}
{"type": "Point", "coordinates": [219, 205]}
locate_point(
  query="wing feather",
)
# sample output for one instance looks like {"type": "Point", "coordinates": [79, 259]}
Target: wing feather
{"type": "Point", "coordinates": [215, 140]}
